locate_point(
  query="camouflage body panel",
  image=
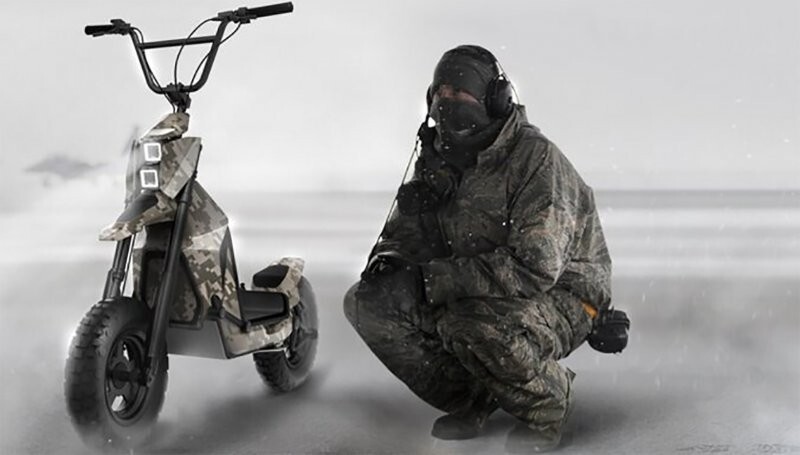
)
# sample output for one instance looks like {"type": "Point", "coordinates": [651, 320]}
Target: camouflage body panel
{"type": "Point", "coordinates": [148, 255]}
{"type": "Point", "coordinates": [208, 267]}
{"type": "Point", "coordinates": [162, 210]}
{"type": "Point", "coordinates": [269, 336]}
{"type": "Point", "coordinates": [211, 269]}
{"type": "Point", "coordinates": [209, 253]}
{"type": "Point", "coordinates": [178, 163]}
{"type": "Point", "coordinates": [135, 162]}
{"type": "Point", "coordinates": [179, 158]}
{"type": "Point", "coordinates": [238, 343]}
{"type": "Point", "coordinates": [289, 286]}
{"type": "Point", "coordinates": [186, 307]}
{"type": "Point", "coordinates": [172, 126]}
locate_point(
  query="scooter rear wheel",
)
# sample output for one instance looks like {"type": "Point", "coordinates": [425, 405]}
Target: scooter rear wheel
{"type": "Point", "coordinates": [286, 370]}
{"type": "Point", "coordinates": [110, 405]}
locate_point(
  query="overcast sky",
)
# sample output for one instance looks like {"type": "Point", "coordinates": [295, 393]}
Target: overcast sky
{"type": "Point", "coordinates": [638, 94]}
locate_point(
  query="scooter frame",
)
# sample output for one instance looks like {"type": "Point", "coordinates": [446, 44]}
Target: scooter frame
{"type": "Point", "coordinates": [279, 291]}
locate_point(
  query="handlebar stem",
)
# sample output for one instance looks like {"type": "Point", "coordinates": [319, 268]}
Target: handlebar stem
{"type": "Point", "coordinates": [140, 48]}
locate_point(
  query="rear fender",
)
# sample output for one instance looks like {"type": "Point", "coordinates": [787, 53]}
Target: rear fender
{"type": "Point", "coordinates": [238, 342]}
{"type": "Point", "coordinates": [290, 284]}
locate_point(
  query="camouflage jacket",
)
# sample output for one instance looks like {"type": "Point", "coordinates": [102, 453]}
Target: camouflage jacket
{"type": "Point", "coordinates": [520, 222]}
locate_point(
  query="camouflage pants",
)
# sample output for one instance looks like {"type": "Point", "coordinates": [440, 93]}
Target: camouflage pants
{"type": "Point", "coordinates": [473, 353]}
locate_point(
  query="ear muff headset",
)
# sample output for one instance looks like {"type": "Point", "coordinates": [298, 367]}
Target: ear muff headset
{"type": "Point", "coordinates": [499, 98]}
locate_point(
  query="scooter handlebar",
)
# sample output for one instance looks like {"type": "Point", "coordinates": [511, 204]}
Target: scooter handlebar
{"type": "Point", "coordinates": [271, 10]}
{"type": "Point", "coordinates": [117, 26]}
{"type": "Point", "coordinates": [97, 30]}
{"type": "Point", "coordinates": [245, 15]}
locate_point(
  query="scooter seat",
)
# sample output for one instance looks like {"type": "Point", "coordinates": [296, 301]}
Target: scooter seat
{"type": "Point", "coordinates": [271, 276]}
{"type": "Point", "coordinates": [259, 305]}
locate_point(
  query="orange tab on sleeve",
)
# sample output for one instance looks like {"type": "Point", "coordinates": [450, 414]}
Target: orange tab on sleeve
{"type": "Point", "coordinates": [592, 311]}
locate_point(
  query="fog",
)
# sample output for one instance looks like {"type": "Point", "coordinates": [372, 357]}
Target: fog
{"type": "Point", "coordinates": [684, 116]}
{"type": "Point", "coordinates": [709, 280]}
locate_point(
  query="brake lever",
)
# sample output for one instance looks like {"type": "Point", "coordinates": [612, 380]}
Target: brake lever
{"type": "Point", "coordinates": [240, 15]}
{"type": "Point", "coordinates": [120, 27]}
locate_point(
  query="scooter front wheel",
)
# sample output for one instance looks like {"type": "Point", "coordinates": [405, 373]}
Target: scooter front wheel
{"type": "Point", "coordinates": [107, 397]}
{"type": "Point", "coordinates": [286, 370]}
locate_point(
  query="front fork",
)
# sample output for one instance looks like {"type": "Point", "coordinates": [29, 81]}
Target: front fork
{"type": "Point", "coordinates": [156, 339]}
{"type": "Point", "coordinates": [119, 269]}
{"type": "Point", "coordinates": [166, 289]}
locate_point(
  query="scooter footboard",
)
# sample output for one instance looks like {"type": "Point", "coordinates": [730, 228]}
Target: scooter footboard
{"type": "Point", "coordinates": [279, 281]}
{"type": "Point", "coordinates": [262, 306]}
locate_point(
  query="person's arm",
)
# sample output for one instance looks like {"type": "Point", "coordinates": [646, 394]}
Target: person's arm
{"type": "Point", "coordinates": [414, 232]}
{"type": "Point", "coordinates": [408, 235]}
{"type": "Point", "coordinates": [543, 217]}
{"type": "Point", "coordinates": [588, 274]}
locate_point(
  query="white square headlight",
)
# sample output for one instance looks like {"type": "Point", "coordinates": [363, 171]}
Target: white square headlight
{"type": "Point", "coordinates": [149, 178]}
{"type": "Point", "coordinates": [152, 152]}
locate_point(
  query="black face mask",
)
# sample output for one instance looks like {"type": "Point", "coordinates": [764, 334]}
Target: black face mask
{"type": "Point", "coordinates": [457, 120]}
{"type": "Point", "coordinates": [463, 129]}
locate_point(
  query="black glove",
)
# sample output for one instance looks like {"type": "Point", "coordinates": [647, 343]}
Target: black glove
{"type": "Point", "coordinates": [388, 262]}
{"type": "Point", "coordinates": [436, 184]}
{"type": "Point", "coordinates": [426, 134]}
{"type": "Point", "coordinates": [610, 331]}
{"type": "Point", "coordinates": [416, 197]}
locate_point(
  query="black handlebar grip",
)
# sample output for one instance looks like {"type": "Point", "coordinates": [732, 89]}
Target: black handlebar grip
{"type": "Point", "coordinates": [271, 10]}
{"type": "Point", "coordinates": [98, 29]}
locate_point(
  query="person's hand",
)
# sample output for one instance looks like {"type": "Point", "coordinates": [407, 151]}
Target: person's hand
{"type": "Point", "coordinates": [426, 134]}
{"type": "Point", "coordinates": [387, 262]}
{"type": "Point", "coordinates": [416, 197]}
{"type": "Point", "coordinates": [378, 265]}
{"type": "Point", "coordinates": [610, 331]}
{"type": "Point", "coordinates": [390, 262]}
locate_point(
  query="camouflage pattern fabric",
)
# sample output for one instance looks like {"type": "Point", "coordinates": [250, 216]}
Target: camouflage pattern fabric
{"type": "Point", "coordinates": [178, 163]}
{"type": "Point", "coordinates": [172, 126]}
{"type": "Point", "coordinates": [507, 262]}
{"type": "Point", "coordinates": [162, 210]}
{"type": "Point", "coordinates": [208, 254]}
{"type": "Point", "coordinates": [207, 247]}
{"type": "Point", "coordinates": [290, 285]}
{"type": "Point", "coordinates": [473, 354]}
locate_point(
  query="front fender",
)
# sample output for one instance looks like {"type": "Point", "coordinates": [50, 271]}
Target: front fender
{"type": "Point", "coordinates": [147, 208]}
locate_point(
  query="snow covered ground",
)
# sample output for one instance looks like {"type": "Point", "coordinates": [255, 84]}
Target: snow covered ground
{"type": "Point", "coordinates": [710, 280]}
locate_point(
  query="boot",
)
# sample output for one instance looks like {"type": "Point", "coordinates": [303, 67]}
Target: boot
{"type": "Point", "coordinates": [458, 426]}
{"type": "Point", "coordinates": [526, 439]}
{"type": "Point", "coordinates": [467, 424]}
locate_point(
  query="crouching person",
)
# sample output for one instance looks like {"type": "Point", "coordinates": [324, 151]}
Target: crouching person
{"type": "Point", "coordinates": [491, 269]}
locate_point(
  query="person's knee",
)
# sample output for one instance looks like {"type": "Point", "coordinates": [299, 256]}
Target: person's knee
{"type": "Point", "coordinates": [368, 302]}
{"type": "Point", "coordinates": [351, 304]}
{"type": "Point", "coordinates": [493, 347]}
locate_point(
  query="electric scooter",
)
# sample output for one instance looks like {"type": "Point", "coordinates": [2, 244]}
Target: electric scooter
{"type": "Point", "coordinates": [173, 242]}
